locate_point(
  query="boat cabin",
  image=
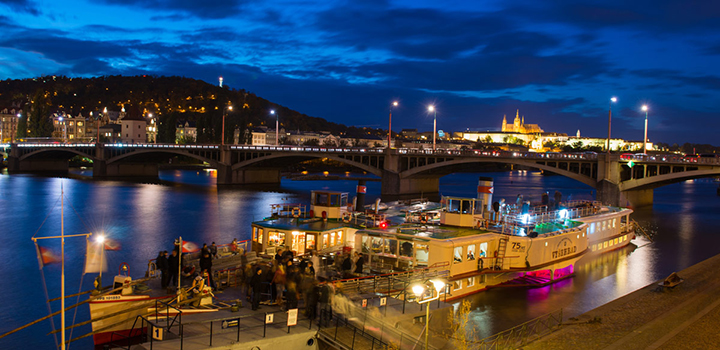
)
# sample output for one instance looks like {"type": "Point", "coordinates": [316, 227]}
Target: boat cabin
{"type": "Point", "coordinates": [329, 204]}
{"type": "Point", "coordinates": [299, 235]}
{"type": "Point", "coordinates": [462, 212]}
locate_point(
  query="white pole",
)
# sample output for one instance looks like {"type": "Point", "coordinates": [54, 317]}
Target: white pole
{"type": "Point", "coordinates": [179, 265]}
{"type": "Point", "coordinates": [62, 269]}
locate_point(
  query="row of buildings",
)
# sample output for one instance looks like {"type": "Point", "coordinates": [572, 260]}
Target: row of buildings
{"type": "Point", "coordinates": [133, 127]}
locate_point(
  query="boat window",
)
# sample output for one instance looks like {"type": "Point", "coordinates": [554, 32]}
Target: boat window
{"type": "Point", "coordinates": [592, 228]}
{"type": "Point", "coordinates": [340, 237]}
{"type": "Point", "coordinates": [321, 199]}
{"type": "Point", "coordinates": [421, 256]}
{"type": "Point", "coordinates": [605, 244]}
{"type": "Point", "coordinates": [276, 238]}
{"type": "Point", "coordinates": [471, 281]}
{"type": "Point", "coordinates": [365, 244]}
{"type": "Point", "coordinates": [421, 246]}
{"type": "Point", "coordinates": [254, 234]}
{"type": "Point", "coordinates": [457, 285]}
{"type": "Point", "coordinates": [310, 241]}
{"type": "Point", "coordinates": [457, 255]}
{"type": "Point", "coordinates": [334, 200]}
{"type": "Point", "coordinates": [478, 207]}
{"type": "Point", "coordinates": [298, 242]}
{"type": "Point", "coordinates": [377, 245]}
{"type": "Point", "coordinates": [332, 239]}
{"type": "Point", "coordinates": [391, 246]}
{"type": "Point", "coordinates": [406, 249]}
{"type": "Point", "coordinates": [465, 207]}
{"type": "Point", "coordinates": [471, 252]}
{"type": "Point", "coordinates": [260, 235]}
{"type": "Point", "coordinates": [604, 225]}
{"type": "Point", "coordinates": [453, 206]}
{"type": "Point", "coordinates": [344, 200]}
{"type": "Point", "coordinates": [614, 222]}
{"type": "Point", "coordinates": [483, 249]}
{"type": "Point", "coordinates": [324, 240]}
{"type": "Point", "coordinates": [594, 247]}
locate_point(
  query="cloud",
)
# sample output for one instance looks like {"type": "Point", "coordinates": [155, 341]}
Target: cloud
{"type": "Point", "coordinates": [21, 6]}
{"type": "Point", "coordinates": [203, 9]}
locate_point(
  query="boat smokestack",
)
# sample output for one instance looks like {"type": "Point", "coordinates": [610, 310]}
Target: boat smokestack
{"type": "Point", "coordinates": [361, 190]}
{"type": "Point", "coordinates": [485, 191]}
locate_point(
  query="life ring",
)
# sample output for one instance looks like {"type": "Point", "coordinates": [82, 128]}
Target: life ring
{"type": "Point", "coordinates": [296, 212]}
{"type": "Point", "coordinates": [346, 217]}
{"type": "Point", "coordinates": [423, 219]}
{"type": "Point", "coordinates": [188, 270]}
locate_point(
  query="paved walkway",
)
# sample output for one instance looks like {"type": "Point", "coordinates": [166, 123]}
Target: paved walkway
{"type": "Point", "coordinates": [685, 317]}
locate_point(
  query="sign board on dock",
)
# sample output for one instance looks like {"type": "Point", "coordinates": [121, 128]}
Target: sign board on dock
{"type": "Point", "coordinates": [269, 318]}
{"type": "Point", "coordinates": [157, 333]}
{"type": "Point", "coordinates": [383, 301]}
{"type": "Point", "coordinates": [292, 317]}
{"type": "Point", "coordinates": [364, 303]}
{"type": "Point", "coordinates": [230, 323]}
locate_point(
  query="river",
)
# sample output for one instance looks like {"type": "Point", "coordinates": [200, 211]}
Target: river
{"type": "Point", "coordinates": [146, 217]}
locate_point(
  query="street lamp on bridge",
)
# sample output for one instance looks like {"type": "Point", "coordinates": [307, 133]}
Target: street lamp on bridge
{"type": "Point", "coordinates": [222, 137]}
{"type": "Point", "coordinates": [431, 108]}
{"type": "Point", "coordinates": [277, 126]}
{"type": "Point", "coordinates": [645, 109]}
{"type": "Point", "coordinates": [394, 104]}
{"type": "Point", "coordinates": [612, 100]}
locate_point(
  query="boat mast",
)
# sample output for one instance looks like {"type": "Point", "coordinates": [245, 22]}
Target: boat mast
{"type": "Point", "coordinates": [62, 269]}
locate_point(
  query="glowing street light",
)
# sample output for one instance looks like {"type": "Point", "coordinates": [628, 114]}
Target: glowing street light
{"type": "Point", "coordinates": [222, 138]}
{"type": "Point", "coordinates": [612, 100]}
{"type": "Point", "coordinates": [394, 104]}
{"type": "Point", "coordinates": [101, 241]}
{"type": "Point", "coordinates": [419, 291]}
{"type": "Point", "coordinates": [277, 127]}
{"type": "Point", "coordinates": [645, 109]}
{"type": "Point", "coordinates": [431, 108]}
{"type": "Point", "coordinates": [60, 119]}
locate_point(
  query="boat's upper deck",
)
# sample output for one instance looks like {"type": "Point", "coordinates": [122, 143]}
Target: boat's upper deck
{"type": "Point", "coordinates": [306, 225]}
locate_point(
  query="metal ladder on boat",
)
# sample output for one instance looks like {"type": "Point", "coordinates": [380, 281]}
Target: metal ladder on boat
{"type": "Point", "coordinates": [502, 247]}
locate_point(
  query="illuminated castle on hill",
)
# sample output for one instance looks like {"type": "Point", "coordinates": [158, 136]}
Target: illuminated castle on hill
{"type": "Point", "coordinates": [519, 125]}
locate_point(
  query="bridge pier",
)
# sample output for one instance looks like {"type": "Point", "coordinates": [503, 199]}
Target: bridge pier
{"type": "Point", "coordinates": [637, 198]}
{"type": "Point", "coordinates": [610, 193]}
{"type": "Point", "coordinates": [394, 187]}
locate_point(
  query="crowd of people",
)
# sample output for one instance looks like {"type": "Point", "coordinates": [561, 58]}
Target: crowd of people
{"type": "Point", "coordinates": [283, 281]}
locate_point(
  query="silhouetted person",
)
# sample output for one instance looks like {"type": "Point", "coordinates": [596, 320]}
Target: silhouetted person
{"type": "Point", "coordinates": [161, 262]}
{"type": "Point", "coordinates": [256, 282]}
{"type": "Point", "coordinates": [359, 264]}
{"type": "Point", "coordinates": [173, 265]}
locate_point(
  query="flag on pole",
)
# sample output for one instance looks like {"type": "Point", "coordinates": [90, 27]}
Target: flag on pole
{"type": "Point", "coordinates": [111, 244]}
{"type": "Point", "coordinates": [95, 259]}
{"type": "Point", "coordinates": [47, 256]}
{"type": "Point", "coordinates": [189, 247]}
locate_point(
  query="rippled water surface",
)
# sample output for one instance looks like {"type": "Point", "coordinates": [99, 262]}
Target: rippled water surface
{"type": "Point", "coordinates": [146, 218]}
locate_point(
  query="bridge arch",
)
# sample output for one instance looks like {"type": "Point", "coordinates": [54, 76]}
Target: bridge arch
{"type": "Point", "coordinates": [528, 163]}
{"type": "Point", "coordinates": [304, 155]}
{"type": "Point", "coordinates": [652, 182]}
{"type": "Point", "coordinates": [57, 150]}
{"type": "Point", "coordinates": [213, 163]}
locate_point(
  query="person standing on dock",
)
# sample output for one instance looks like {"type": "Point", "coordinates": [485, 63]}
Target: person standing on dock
{"type": "Point", "coordinates": [206, 267]}
{"type": "Point", "coordinates": [558, 199]}
{"type": "Point", "coordinates": [173, 265]}
{"type": "Point", "coordinates": [315, 259]}
{"type": "Point", "coordinates": [161, 262]}
{"type": "Point", "coordinates": [359, 264]}
{"type": "Point", "coordinates": [256, 282]}
{"type": "Point", "coordinates": [213, 251]}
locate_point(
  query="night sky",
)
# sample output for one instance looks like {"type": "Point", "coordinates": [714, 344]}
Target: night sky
{"type": "Point", "coordinates": [559, 62]}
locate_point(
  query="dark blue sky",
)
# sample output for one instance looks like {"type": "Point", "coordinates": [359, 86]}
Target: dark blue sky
{"type": "Point", "coordinates": [559, 62]}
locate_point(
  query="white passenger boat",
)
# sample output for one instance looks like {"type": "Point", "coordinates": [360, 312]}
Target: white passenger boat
{"type": "Point", "coordinates": [484, 245]}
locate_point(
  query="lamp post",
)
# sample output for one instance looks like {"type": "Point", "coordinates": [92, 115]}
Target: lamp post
{"type": "Point", "coordinates": [64, 129]}
{"type": "Point", "coordinates": [419, 291]}
{"type": "Point", "coordinates": [612, 100]}
{"type": "Point", "coordinates": [394, 104]}
{"type": "Point", "coordinates": [277, 127]}
{"type": "Point", "coordinates": [101, 240]}
{"type": "Point", "coordinates": [645, 109]}
{"type": "Point", "coordinates": [222, 137]}
{"type": "Point", "coordinates": [153, 127]}
{"type": "Point", "coordinates": [431, 108]}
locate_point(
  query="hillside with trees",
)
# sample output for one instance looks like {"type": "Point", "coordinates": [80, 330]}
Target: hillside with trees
{"type": "Point", "coordinates": [170, 99]}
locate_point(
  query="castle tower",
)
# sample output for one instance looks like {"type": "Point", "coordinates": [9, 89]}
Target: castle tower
{"type": "Point", "coordinates": [504, 123]}
{"type": "Point", "coordinates": [516, 122]}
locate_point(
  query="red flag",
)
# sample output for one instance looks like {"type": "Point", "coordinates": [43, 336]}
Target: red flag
{"type": "Point", "coordinates": [111, 244]}
{"type": "Point", "coordinates": [47, 256]}
{"type": "Point", "coordinates": [189, 247]}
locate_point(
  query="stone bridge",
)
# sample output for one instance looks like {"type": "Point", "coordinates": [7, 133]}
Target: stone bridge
{"type": "Point", "coordinates": [619, 180]}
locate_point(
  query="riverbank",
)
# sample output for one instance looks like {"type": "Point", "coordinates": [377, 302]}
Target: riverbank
{"type": "Point", "coordinates": [654, 317]}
